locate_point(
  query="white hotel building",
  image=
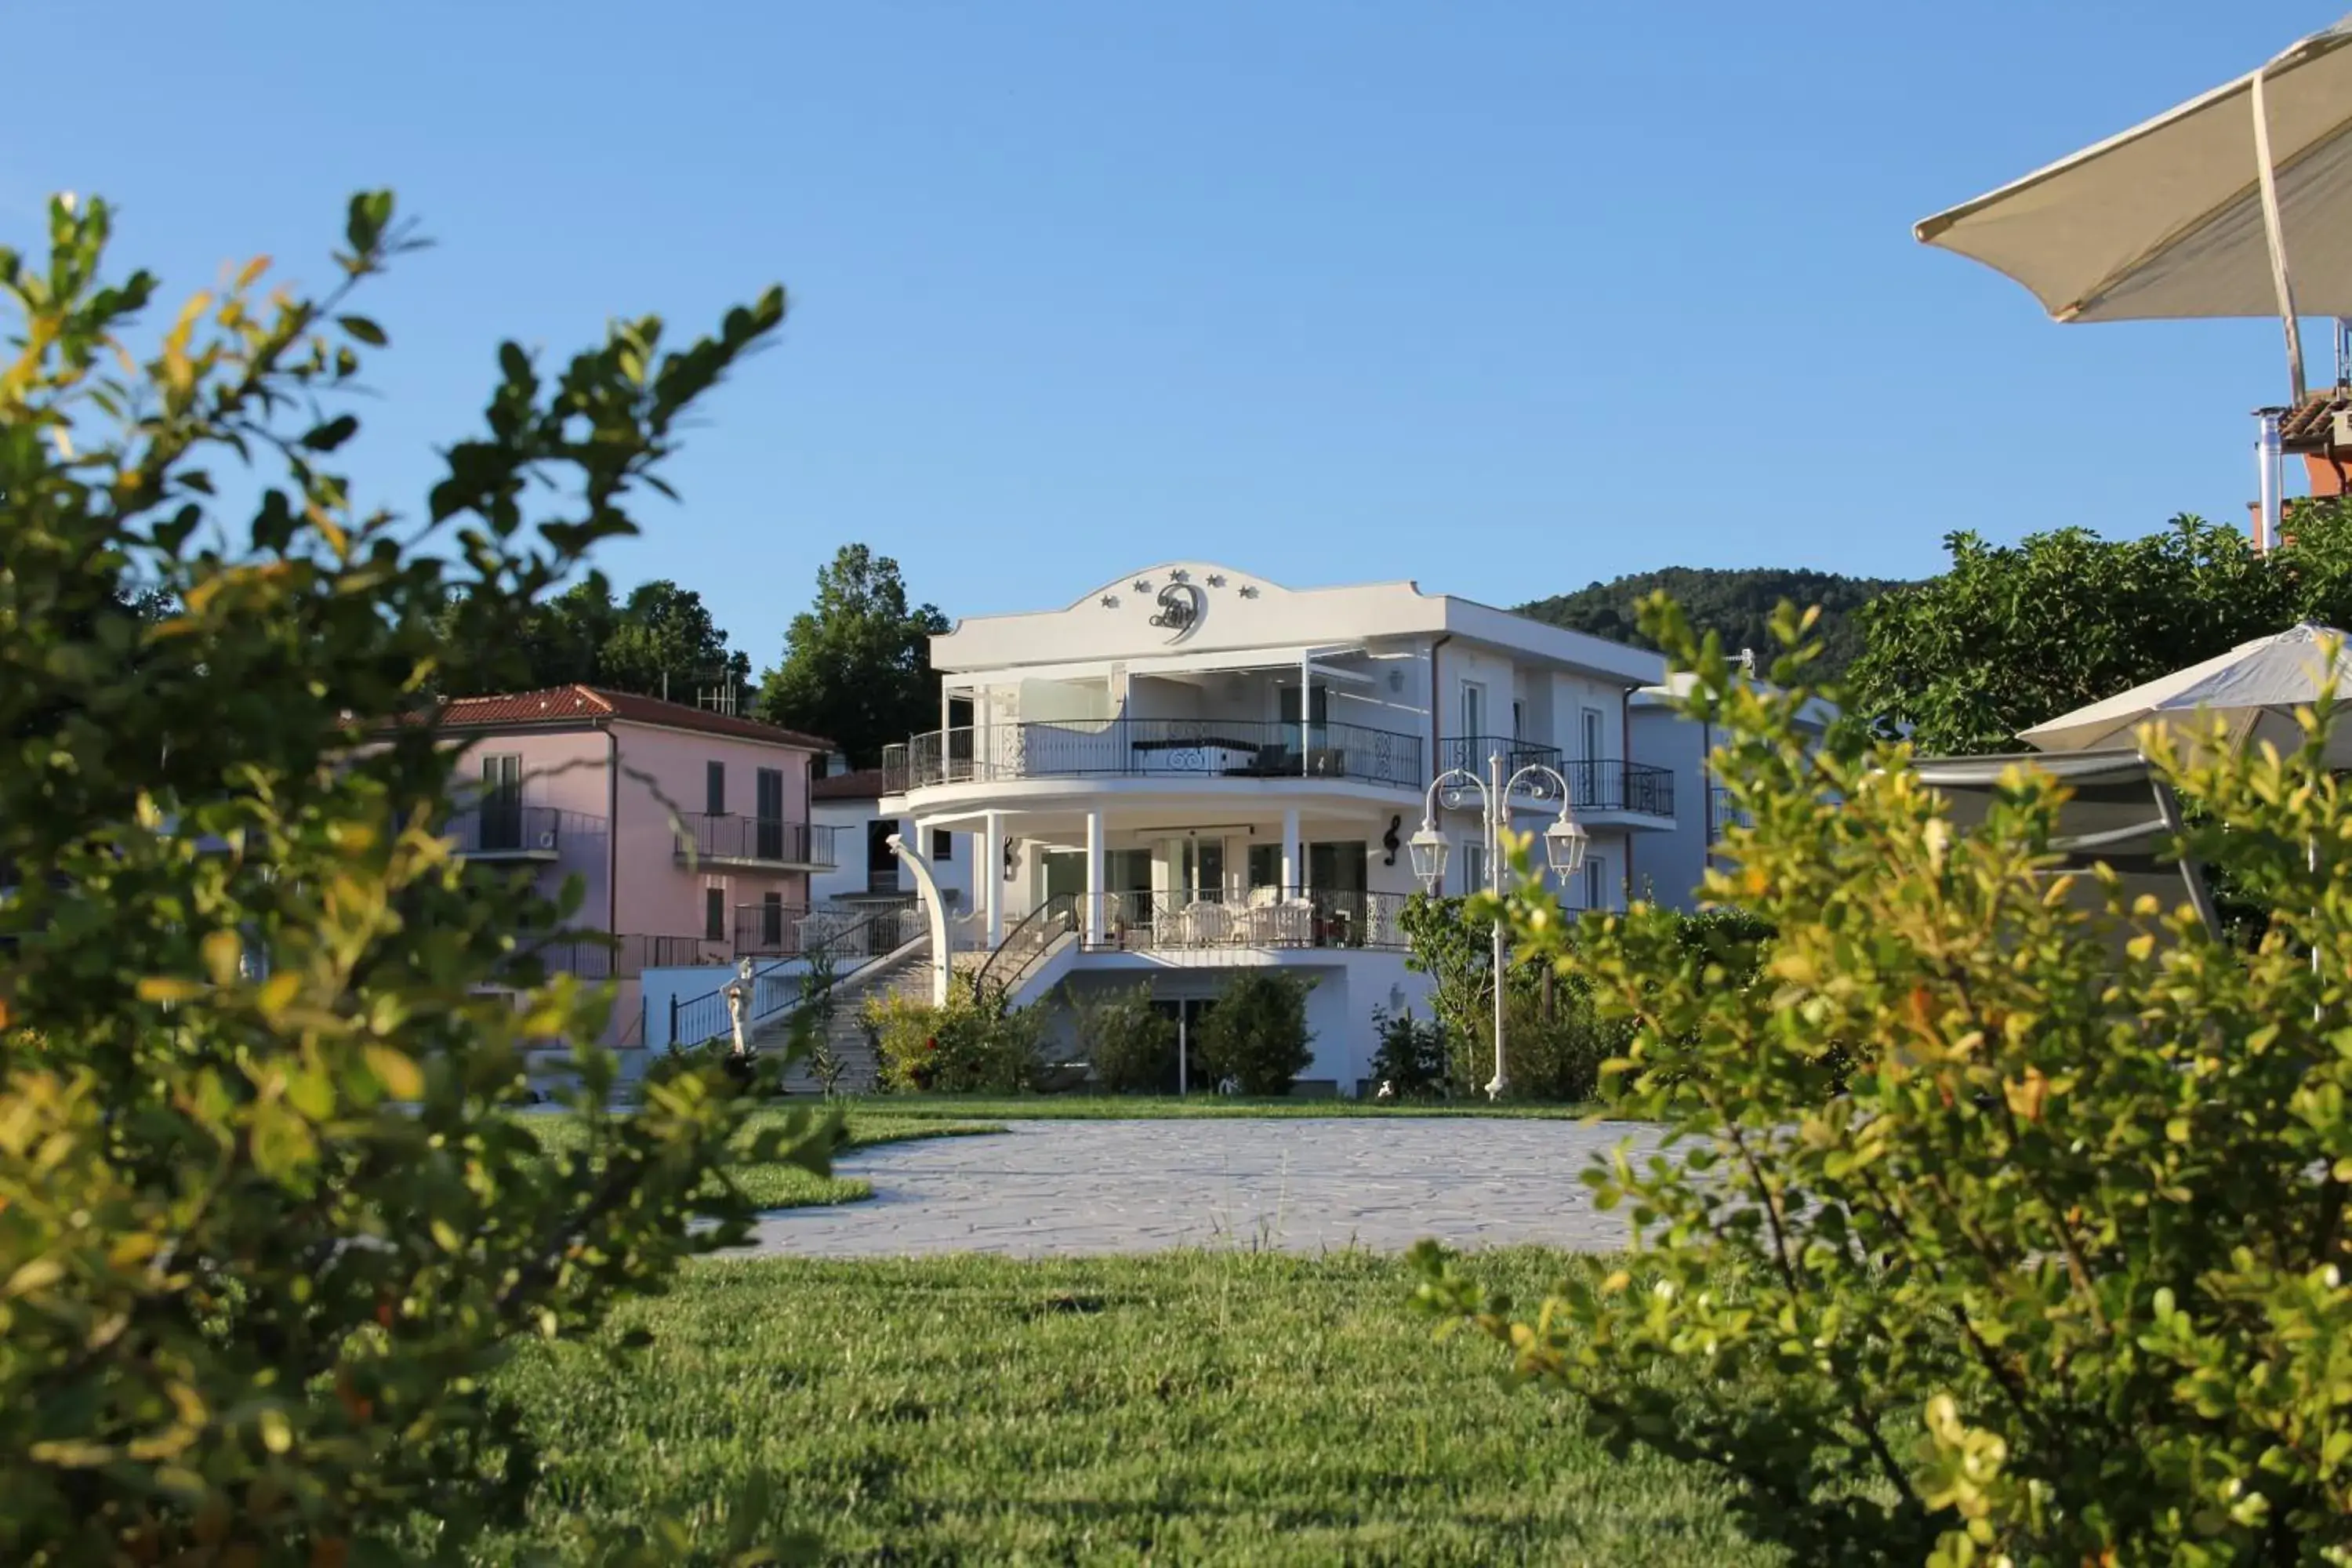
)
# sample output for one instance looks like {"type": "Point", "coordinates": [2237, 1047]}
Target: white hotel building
{"type": "Point", "coordinates": [1144, 802]}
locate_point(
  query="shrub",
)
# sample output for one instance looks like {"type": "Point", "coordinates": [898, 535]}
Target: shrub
{"type": "Point", "coordinates": [1131, 1043]}
{"type": "Point", "coordinates": [1256, 1034]}
{"type": "Point", "coordinates": [1556, 1042]}
{"type": "Point", "coordinates": [1411, 1056]}
{"type": "Point", "coordinates": [268, 1220]}
{"type": "Point", "coordinates": [2004, 1216]}
{"type": "Point", "coordinates": [974, 1044]}
{"type": "Point", "coordinates": [1556, 1045]}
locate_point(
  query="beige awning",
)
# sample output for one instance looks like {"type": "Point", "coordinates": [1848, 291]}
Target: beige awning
{"type": "Point", "coordinates": [2166, 220]}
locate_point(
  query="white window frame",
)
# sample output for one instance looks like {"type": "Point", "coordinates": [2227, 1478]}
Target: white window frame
{"type": "Point", "coordinates": [1473, 693]}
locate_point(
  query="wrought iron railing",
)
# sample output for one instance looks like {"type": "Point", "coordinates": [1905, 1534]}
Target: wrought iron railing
{"type": "Point", "coordinates": [786, 931]}
{"type": "Point", "coordinates": [498, 827]}
{"type": "Point", "coordinates": [1634, 787]}
{"type": "Point", "coordinates": [1723, 812]}
{"type": "Point", "coordinates": [593, 955]}
{"type": "Point", "coordinates": [1596, 785]}
{"type": "Point", "coordinates": [779, 985]}
{"type": "Point", "coordinates": [1027, 943]}
{"type": "Point", "coordinates": [1317, 917]}
{"type": "Point", "coordinates": [767, 840]}
{"type": "Point", "coordinates": [1470, 753]}
{"type": "Point", "coordinates": [1145, 748]}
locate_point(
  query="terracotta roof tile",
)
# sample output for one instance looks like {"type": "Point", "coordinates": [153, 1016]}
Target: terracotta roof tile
{"type": "Point", "coordinates": [2311, 422]}
{"type": "Point", "coordinates": [557, 705]}
{"type": "Point", "coordinates": [863, 783]}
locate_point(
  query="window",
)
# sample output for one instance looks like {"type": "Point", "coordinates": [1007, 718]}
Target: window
{"type": "Point", "coordinates": [714, 788]}
{"type": "Point", "coordinates": [1474, 868]}
{"type": "Point", "coordinates": [881, 863]}
{"type": "Point", "coordinates": [1596, 884]}
{"type": "Point", "coordinates": [1518, 720]}
{"type": "Point", "coordinates": [942, 845]}
{"type": "Point", "coordinates": [1595, 735]}
{"type": "Point", "coordinates": [772, 921]}
{"type": "Point", "coordinates": [1265, 865]}
{"type": "Point", "coordinates": [714, 913]}
{"type": "Point", "coordinates": [1473, 710]}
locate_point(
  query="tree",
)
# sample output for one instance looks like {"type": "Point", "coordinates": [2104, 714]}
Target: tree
{"type": "Point", "coordinates": [660, 641]}
{"type": "Point", "coordinates": [268, 1219]}
{"type": "Point", "coordinates": [1256, 1034]}
{"type": "Point", "coordinates": [2011, 635]}
{"type": "Point", "coordinates": [857, 663]}
{"type": "Point", "coordinates": [665, 643]}
{"type": "Point", "coordinates": [2001, 1220]}
{"type": "Point", "coordinates": [1737, 604]}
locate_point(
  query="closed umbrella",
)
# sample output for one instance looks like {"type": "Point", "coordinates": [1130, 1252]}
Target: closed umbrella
{"type": "Point", "coordinates": [2195, 213]}
{"type": "Point", "coordinates": [2253, 690]}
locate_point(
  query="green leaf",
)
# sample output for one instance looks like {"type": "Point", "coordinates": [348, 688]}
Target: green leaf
{"type": "Point", "coordinates": [364, 330]}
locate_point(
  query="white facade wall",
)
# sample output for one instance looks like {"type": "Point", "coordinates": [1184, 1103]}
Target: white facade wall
{"type": "Point", "coordinates": [1671, 864]}
{"type": "Point", "coordinates": [851, 820]}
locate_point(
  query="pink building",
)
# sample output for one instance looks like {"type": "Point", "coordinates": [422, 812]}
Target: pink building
{"type": "Point", "coordinates": [689, 829]}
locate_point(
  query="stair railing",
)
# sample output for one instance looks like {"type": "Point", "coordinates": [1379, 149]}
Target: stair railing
{"type": "Point", "coordinates": [1026, 945]}
{"type": "Point", "coordinates": [699, 1020]}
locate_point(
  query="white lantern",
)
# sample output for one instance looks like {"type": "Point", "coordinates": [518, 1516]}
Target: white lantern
{"type": "Point", "coordinates": [1428, 848]}
{"type": "Point", "coordinates": [1564, 846]}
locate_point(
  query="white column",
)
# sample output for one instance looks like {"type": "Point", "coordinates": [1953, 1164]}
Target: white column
{"type": "Point", "coordinates": [1095, 911]}
{"type": "Point", "coordinates": [1306, 709]}
{"type": "Point", "coordinates": [990, 873]}
{"type": "Point", "coordinates": [1293, 859]}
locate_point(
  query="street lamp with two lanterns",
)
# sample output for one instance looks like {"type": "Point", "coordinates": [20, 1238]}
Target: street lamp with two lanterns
{"type": "Point", "coordinates": [1564, 843]}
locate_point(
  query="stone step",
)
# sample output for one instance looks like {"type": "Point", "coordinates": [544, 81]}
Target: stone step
{"type": "Point", "coordinates": [905, 973]}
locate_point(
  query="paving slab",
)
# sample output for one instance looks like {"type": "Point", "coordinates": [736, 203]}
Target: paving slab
{"type": "Point", "coordinates": [1306, 1184]}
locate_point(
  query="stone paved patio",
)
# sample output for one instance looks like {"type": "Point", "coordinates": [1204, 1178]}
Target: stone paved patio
{"type": "Point", "coordinates": [1047, 1188]}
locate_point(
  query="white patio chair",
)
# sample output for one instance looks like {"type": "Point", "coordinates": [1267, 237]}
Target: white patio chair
{"type": "Point", "coordinates": [1207, 924]}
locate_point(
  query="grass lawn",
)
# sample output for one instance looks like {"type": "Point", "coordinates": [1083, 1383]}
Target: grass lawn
{"type": "Point", "coordinates": [1159, 1107]}
{"type": "Point", "coordinates": [1183, 1407]}
{"type": "Point", "coordinates": [788, 1186]}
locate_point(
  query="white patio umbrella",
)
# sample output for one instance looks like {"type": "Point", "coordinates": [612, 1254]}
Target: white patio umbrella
{"type": "Point", "coordinates": [2195, 213]}
{"type": "Point", "coordinates": [2253, 688]}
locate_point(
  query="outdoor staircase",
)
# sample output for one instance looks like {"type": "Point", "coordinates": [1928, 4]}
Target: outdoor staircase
{"type": "Point", "coordinates": [904, 973]}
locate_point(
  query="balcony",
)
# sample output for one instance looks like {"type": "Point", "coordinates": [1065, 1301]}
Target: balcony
{"type": "Point", "coordinates": [1470, 753]}
{"type": "Point", "coordinates": [1154, 748]}
{"type": "Point", "coordinates": [496, 831]}
{"type": "Point", "coordinates": [1315, 918]}
{"type": "Point", "coordinates": [1599, 787]}
{"type": "Point", "coordinates": [760, 843]}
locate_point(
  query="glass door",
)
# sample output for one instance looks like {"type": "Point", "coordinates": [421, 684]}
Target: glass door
{"type": "Point", "coordinates": [770, 794]}
{"type": "Point", "coordinates": [502, 802]}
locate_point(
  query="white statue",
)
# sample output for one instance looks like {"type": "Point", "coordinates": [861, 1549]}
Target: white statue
{"type": "Point", "coordinates": [738, 1005]}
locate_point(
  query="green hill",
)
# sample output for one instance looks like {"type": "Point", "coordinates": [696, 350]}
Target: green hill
{"type": "Point", "coordinates": [1736, 604]}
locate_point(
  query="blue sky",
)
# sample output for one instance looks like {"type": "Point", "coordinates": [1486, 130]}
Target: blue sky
{"type": "Point", "coordinates": [1502, 298]}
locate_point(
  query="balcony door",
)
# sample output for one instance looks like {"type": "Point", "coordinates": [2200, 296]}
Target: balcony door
{"type": "Point", "coordinates": [1473, 711]}
{"type": "Point", "coordinates": [881, 865]}
{"type": "Point", "coordinates": [768, 792]}
{"type": "Point", "coordinates": [1319, 717]}
{"type": "Point", "coordinates": [1196, 871]}
{"type": "Point", "coordinates": [502, 802]}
